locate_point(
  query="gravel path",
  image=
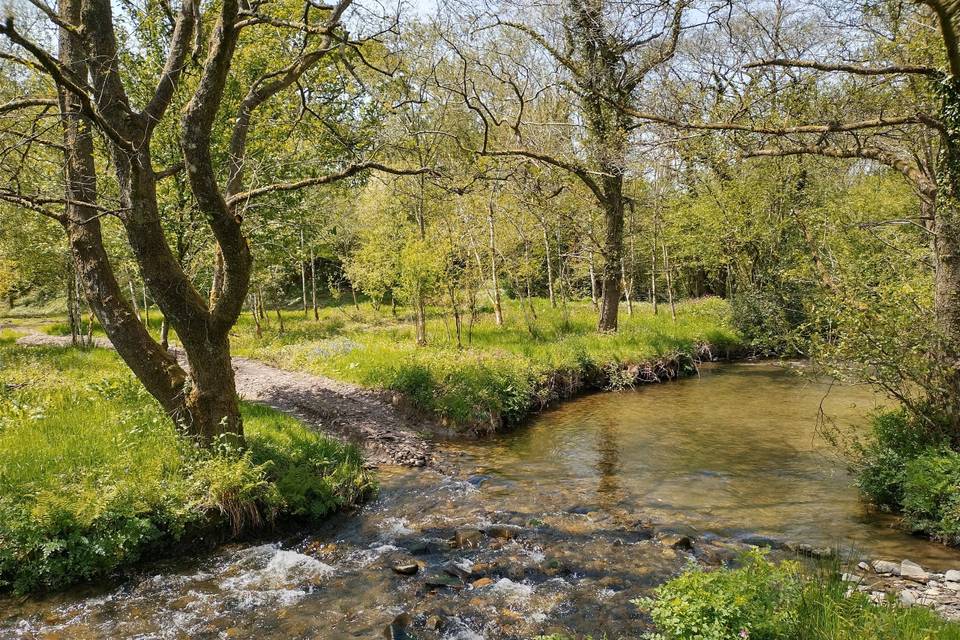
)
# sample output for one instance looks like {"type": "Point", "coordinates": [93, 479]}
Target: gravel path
{"type": "Point", "coordinates": [340, 409]}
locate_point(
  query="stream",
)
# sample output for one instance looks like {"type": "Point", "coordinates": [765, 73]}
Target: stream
{"type": "Point", "coordinates": [558, 525]}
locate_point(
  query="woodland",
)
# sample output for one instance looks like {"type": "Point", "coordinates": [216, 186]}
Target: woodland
{"type": "Point", "coordinates": [475, 209]}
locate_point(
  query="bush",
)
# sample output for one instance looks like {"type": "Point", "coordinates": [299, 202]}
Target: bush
{"type": "Point", "coordinates": [931, 494]}
{"type": "Point", "coordinates": [904, 467]}
{"type": "Point", "coordinates": [762, 600]}
{"type": "Point", "coordinates": [755, 601]}
{"type": "Point", "coordinates": [895, 439]}
{"type": "Point", "coordinates": [763, 321]}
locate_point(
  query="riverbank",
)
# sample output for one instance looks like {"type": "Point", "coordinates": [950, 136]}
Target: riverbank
{"type": "Point", "coordinates": [499, 375]}
{"type": "Point", "coordinates": [95, 477]}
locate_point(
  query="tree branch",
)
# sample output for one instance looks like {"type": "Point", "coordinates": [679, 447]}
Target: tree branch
{"type": "Point", "coordinates": [845, 68]}
{"type": "Point", "coordinates": [348, 172]}
{"type": "Point", "coordinates": [175, 63]}
{"type": "Point", "coordinates": [62, 77]}
{"type": "Point", "coordinates": [910, 171]}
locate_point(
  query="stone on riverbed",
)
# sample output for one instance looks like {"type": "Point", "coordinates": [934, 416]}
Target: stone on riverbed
{"type": "Point", "coordinates": [913, 571]}
{"type": "Point", "coordinates": [396, 630]}
{"type": "Point", "coordinates": [952, 576]}
{"type": "Point", "coordinates": [676, 541]}
{"type": "Point", "coordinates": [466, 538]}
{"type": "Point", "coordinates": [406, 568]}
{"type": "Point", "coordinates": [504, 531]}
{"type": "Point", "coordinates": [883, 566]}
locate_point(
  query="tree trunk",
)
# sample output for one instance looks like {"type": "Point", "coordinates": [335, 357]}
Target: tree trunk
{"type": "Point", "coordinates": [612, 254]}
{"type": "Point", "coordinates": [303, 275]}
{"type": "Point", "coordinates": [313, 284]}
{"type": "Point", "coordinates": [627, 286]}
{"type": "Point", "coordinates": [421, 322]}
{"type": "Point", "coordinates": [593, 282]}
{"type": "Point", "coordinates": [165, 334]}
{"type": "Point", "coordinates": [546, 249]}
{"type": "Point", "coordinates": [666, 271]}
{"type": "Point", "coordinates": [497, 308]}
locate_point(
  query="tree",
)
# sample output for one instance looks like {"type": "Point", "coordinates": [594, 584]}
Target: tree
{"type": "Point", "coordinates": [594, 55]}
{"type": "Point", "coordinates": [94, 92]}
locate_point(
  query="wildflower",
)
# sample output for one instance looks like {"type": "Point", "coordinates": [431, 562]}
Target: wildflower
{"type": "Point", "coordinates": [744, 633]}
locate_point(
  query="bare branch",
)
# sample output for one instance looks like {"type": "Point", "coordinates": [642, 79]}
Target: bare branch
{"type": "Point", "coordinates": [887, 70]}
{"type": "Point", "coordinates": [348, 172]}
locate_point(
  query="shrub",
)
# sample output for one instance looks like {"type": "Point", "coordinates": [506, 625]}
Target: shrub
{"type": "Point", "coordinates": [754, 601]}
{"type": "Point", "coordinates": [931, 494]}
{"type": "Point", "coordinates": [894, 441]}
{"type": "Point", "coordinates": [762, 600]}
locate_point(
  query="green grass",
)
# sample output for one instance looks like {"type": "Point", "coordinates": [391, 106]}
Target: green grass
{"type": "Point", "coordinates": [762, 600]}
{"type": "Point", "coordinates": [94, 475]}
{"type": "Point", "coordinates": [502, 373]}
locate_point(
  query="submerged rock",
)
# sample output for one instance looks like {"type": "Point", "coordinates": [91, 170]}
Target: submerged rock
{"type": "Point", "coordinates": [504, 531]}
{"type": "Point", "coordinates": [675, 541]}
{"type": "Point", "coordinates": [467, 538]}
{"type": "Point", "coordinates": [441, 579]}
{"type": "Point", "coordinates": [406, 568]}
{"type": "Point", "coordinates": [462, 569]}
{"type": "Point", "coordinates": [396, 630]}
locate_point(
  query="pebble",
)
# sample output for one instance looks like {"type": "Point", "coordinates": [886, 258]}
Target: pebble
{"type": "Point", "coordinates": [676, 541]}
{"type": "Point", "coordinates": [908, 598]}
{"type": "Point", "coordinates": [952, 576]}
{"type": "Point", "coordinates": [406, 568]}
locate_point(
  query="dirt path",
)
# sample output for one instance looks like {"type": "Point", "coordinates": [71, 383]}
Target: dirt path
{"type": "Point", "coordinates": [340, 409]}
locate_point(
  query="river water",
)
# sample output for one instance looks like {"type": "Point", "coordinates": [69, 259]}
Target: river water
{"type": "Point", "coordinates": [589, 487]}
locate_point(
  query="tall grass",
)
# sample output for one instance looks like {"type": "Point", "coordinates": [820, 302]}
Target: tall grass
{"type": "Point", "coordinates": [94, 474]}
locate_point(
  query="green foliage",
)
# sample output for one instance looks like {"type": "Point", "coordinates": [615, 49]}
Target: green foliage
{"type": "Point", "coordinates": [95, 475]}
{"type": "Point", "coordinates": [894, 441]}
{"type": "Point", "coordinates": [763, 600]}
{"type": "Point", "coordinates": [931, 494]}
{"type": "Point", "coordinates": [908, 467]}
{"type": "Point", "coordinates": [754, 601]}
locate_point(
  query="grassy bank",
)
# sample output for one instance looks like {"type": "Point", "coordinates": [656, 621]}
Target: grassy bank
{"type": "Point", "coordinates": [94, 475]}
{"type": "Point", "coordinates": [501, 374]}
{"type": "Point", "coordinates": [761, 600]}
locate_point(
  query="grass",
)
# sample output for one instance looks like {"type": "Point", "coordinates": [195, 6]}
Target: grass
{"type": "Point", "coordinates": [94, 475]}
{"type": "Point", "coordinates": [762, 600]}
{"type": "Point", "coordinates": [501, 374]}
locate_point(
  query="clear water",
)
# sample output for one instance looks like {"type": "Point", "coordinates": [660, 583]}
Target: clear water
{"type": "Point", "coordinates": [731, 453]}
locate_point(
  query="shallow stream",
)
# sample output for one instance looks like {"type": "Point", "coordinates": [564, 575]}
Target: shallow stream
{"type": "Point", "coordinates": [592, 490]}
